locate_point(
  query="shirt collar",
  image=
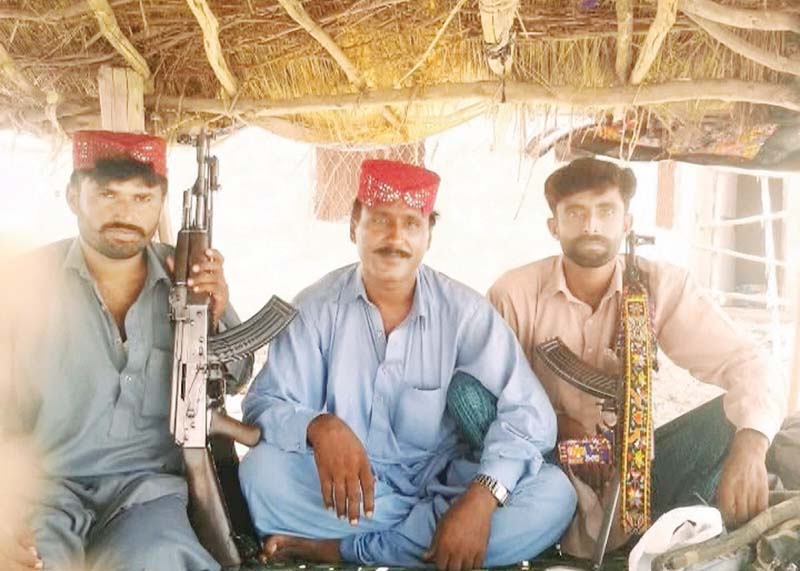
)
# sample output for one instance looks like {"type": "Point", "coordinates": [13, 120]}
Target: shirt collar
{"type": "Point", "coordinates": [156, 267]}
{"type": "Point", "coordinates": [354, 289]}
{"type": "Point", "coordinates": [156, 271]}
{"type": "Point", "coordinates": [559, 281]}
{"type": "Point", "coordinates": [74, 260]}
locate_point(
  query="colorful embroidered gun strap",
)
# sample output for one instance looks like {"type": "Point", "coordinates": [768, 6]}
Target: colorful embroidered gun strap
{"type": "Point", "coordinates": [636, 446]}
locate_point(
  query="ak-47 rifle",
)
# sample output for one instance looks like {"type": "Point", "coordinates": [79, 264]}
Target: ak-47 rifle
{"type": "Point", "coordinates": [614, 393]}
{"type": "Point", "coordinates": [199, 374]}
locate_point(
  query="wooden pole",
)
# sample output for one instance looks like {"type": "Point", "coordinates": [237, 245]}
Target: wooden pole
{"type": "Point", "coordinates": [122, 109]}
{"type": "Point", "coordinates": [208, 23]}
{"type": "Point", "coordinates": [793, 228]}
{"type": "Point", "coordinates": [742, 47]}
{"type": "Point", "coordinates": [730, 90]}
{"type": "Point", "coordinates": [759, 19]}
{"type": "Point", "coordinates": [298, 13]}
{"type": "Point", "coordinates": [121, 99]}
{"type": "Point", "coordinates": [666, 14]}
{"type": "Point", "coordinates": [497, 20]}
{"type": "Point", "coordinates": [110, 29]}
{"type": "Point", "coordinates": [624, 39]}
{"type": "Point", "coordinates": [772, 279]}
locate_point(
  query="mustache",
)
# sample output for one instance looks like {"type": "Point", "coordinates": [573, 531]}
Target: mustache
{"type": "Point", "coordinates": [593, 240]}
{"type": "Point", "coordinates": [388, 251]}
{"type": "Point", "coordinates": [121, 226]}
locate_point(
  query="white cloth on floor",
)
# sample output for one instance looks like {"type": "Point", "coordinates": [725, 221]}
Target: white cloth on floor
{"type": "Point", "coordinates": [676, 528]}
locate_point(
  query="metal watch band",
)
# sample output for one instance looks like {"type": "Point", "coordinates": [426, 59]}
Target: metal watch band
{"type": "Point", "coordinates": [497, 489]}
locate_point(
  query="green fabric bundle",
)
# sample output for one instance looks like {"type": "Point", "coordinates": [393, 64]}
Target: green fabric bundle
{"type": "Point", "coordinates": [472, 406]}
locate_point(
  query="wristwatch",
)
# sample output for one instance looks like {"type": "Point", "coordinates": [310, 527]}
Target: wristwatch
{"type": "Point", "coordinates": [497, 489]}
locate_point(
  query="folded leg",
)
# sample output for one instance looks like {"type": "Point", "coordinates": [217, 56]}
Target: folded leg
{"type": "Point", "coordinates": [150, 536]}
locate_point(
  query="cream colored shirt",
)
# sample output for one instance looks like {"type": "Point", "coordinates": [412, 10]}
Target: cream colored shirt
{"type": "Point", "coordinates": [691, 329]}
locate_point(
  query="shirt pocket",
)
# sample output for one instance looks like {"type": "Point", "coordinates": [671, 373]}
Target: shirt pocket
{"type": "Point", "coordinates": [157, 380]}
{"type": "Point", "coordinates": [418, 416]}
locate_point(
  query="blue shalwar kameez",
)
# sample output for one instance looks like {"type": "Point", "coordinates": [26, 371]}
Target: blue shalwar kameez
{"type": "Point", "coordinates": [96, 407]}
{"type": "Point", "coordinates": [335, 357]}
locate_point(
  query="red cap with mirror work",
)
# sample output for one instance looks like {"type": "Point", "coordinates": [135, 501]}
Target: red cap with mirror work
{"type": "Point", "coordinates": [88, 147]}
{"type": "Point", "coordinates": [385, 182]}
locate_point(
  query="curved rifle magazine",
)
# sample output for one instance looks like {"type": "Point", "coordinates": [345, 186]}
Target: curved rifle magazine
{"type": "Point", "coordinates": [571, 368]}
{"type": "Point", "coordinates": [245, 339]}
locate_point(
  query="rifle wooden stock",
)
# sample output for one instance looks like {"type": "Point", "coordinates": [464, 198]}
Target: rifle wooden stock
{"type": "Point", "coordinates": [207, 511]}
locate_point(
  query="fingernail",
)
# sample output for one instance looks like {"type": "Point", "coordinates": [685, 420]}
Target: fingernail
{"type": "Point", "coordinates": [354, 522]}
{"type": "Point", "coordinates": [330, 508]}
{"type": "Point", "coordinates": [341, 517]}
{"type": "Point", "coordinates": [195, 268]}
{"type": "Point", "coordinates": [189, 282]}
{"type": "Point", "coordinates": [39, 565]}
{"type": "Point", "coordinates": [369, 514]}
{"type": "Point", "coordinates": [196, 289]}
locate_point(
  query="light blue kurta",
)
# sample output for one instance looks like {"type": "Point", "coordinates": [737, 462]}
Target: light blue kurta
{"type": "Point", "coordinates": [96, 408]}
{"type": "Point", "coordinates": [335, 357]}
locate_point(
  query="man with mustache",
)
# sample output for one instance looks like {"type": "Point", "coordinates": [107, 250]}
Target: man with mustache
{"type": "Point", "coordinates": [90, 366]}
{"type": "Point", "coordinates": [714, 454]}
{"type": "Point", "coordinates": [359, 462]}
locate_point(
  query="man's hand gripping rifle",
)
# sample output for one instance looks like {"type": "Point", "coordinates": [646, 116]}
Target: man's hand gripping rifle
{"type": "Point", "coordinates": [197, 407]}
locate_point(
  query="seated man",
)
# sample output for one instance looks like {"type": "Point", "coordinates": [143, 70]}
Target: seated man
{"type": "Point", "coordinates": [713, 454]}
{"type": "Point", "coordinates": [351, 405]}
{"type": "Point", "coordinates": [88, 360]}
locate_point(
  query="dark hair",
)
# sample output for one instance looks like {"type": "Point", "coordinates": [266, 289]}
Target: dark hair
{"type": "Point", "coordinates": [589, 174]}
{"type": "Point", "coordinates": [121, 169]}
{"type": "Point", "coordinates": [355, 215]}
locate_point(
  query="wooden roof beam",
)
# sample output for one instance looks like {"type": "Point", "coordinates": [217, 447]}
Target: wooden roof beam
{"type": "Point", "coordinates": [112, 32]}
{"type": "Point", "coordinates": [497, 19]}
{"type": "Point", "coordinates": [12, 72]}
{"type": "Point", "coordinates": [624, 39]}
{"type": "Point", "coordinates": [735, 43]}
{"type": "Point", "coordinates": [296, 11]}
{"type": "Point", "coordinates": [456, 9]}
{"type": "Point", "coordinates": [666, 14]}
{"type": "Point", "coordinates": [767, 20]}
{"type": "Point", "coordinates": [728, 90]}
{"type": "Point", "coordinates": [210, 26]}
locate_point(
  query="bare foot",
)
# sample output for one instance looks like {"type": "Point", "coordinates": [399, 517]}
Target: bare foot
{"type": "Point", "coordinates": [289, 548]}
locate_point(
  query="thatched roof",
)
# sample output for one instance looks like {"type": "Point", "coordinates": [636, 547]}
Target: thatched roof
{"type": "Point", "coordinates": [386, 71]}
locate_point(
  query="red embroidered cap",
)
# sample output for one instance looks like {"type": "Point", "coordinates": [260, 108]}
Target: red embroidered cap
{"type": "Point", "coordinates": [90, 146]}
{"type": "Point", "coordinates": [385, 182]}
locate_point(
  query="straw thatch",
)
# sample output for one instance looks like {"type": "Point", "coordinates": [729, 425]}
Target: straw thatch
{"type": "Point", "coordinates": [389, 71]}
